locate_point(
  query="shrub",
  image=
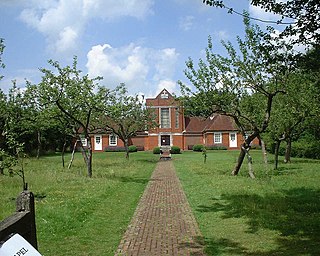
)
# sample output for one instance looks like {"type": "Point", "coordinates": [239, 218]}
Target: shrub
{"type": "Point", "coordinates": [114, 149]}
{"type": "Point", "coordinates": [156, 150]}
{"type": "Point", "coordinates": [216, 147]}
{"type": "Point", "coordinates": [198, 147]}
{"type": "Point", "coordinates": [175, 150]}
{"type": "Point", "coordinates": [133, 148]}
{"type": "Point", "coordinates": [305, 149]}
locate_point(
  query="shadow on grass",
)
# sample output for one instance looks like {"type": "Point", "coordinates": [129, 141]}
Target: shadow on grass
{"type": "Point", "coordinates": [295, 214]}
{"type": "Point", "coordinates": [129, 179]}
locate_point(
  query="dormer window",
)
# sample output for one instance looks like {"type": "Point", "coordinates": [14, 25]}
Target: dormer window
{"type": "Point", "coordinates": [164, 95]}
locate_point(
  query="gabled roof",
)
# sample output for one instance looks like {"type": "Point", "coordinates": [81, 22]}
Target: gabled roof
{"type": "Point", "coordinates": [164, 94]}
{"type": "Point", "coordinates": [213, 123]}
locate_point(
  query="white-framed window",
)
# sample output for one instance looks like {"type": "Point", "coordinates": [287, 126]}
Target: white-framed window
{"type": "Point", "coordinates": [84, 141]}
{"type": "Point", "coordinates": [177, 118]}
{"type": "Point", "coordinates": [164, 118]}
{"type": "Point", "coordinates": [113, 140]}
{"type": "Point", "coordinates": [217, 138]}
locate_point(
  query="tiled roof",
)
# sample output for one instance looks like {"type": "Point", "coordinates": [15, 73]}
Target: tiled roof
{"type": "Point", "coordinates": [213, 123]}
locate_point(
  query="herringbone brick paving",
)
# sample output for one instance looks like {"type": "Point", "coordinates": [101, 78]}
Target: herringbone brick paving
{"type": "Point", "coordinates": [163, 223]}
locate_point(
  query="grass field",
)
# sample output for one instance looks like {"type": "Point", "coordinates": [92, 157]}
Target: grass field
{"type": "Point", "coordinates": [278, 213]}
{"type": "Point", "coordinates": [77, 215]}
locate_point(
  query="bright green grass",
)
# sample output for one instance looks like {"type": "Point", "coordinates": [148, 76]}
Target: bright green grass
{"type": "Point", "coordinates": [77, 215]}
{"type": "Point", "coordinates": [278, 213]}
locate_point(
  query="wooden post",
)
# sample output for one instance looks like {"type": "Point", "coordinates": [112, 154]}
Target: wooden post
{"type": "Point", "coordinates": [23, 221]}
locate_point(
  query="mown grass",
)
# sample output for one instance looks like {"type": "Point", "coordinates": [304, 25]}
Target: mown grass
{"type": "Point", "coordinates": [77, 215]}
{"type": "Point", "coordinates": [278, 213]}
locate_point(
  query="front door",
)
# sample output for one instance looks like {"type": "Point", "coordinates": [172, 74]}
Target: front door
{"type": "Point", "coordinates": [233, 140]}
{"type": "Point", "coordinates": [165, 140]}
{"type": "Point", "coordinates": [98, 142]}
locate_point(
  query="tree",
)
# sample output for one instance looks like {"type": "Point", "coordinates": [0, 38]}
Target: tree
{"type": "Point", "coordinates": [2, 46]}
{"type": "Point", "coordinates": [304, 18]}
{"type": "Point", "coordinates": [126, 115]}
{"type": "Point", "coordinates": [241, 85]}
{"type": "Point", "coordinates": [292, 112]}
{"type": "Point", "coordinates": [76, 98]}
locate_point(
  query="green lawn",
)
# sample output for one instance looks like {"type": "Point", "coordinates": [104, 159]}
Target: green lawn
{"type": "Point", "coordinates": [77, 215]}
{"type": "Point", "coordinates": [278, 213]}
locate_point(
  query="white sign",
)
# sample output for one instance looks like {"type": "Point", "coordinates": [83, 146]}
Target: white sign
{"type": "Point", "coordinates": [18, 246]}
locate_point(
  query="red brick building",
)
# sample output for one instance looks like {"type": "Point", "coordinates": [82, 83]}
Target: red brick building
{"type": "Point", "coordinates": [175, 129]}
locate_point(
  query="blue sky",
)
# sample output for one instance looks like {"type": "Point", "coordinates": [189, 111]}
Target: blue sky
{"type": "Point", "coordinates": [143, 43]}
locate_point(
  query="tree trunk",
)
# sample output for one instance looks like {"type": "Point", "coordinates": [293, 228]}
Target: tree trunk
{"type": "Point", "coordinates": [240, 160]}
{"type": "Point", "coordinates": [39, 144]}
{"type": "Point", "coordinates": [72, 155]}
{"type": "Point", "coordinates": [89, 157]}
{"type": "Point", "coordinates": [251, 172]}
{"type": "Point", "coordinates": [245, 147]}
{"type": "Point", "coordinates": [63, 149]}
{"type": "Point", "coordinates": [264, 151]}
{"type": "Point", "coordinates": [1, 171]}
{"type": "Point", "coordinates": [276, 154]}
{"type": "Point", "coordinates": [288, 151]}
{"type": "Point", "coordinates": [126, 145]}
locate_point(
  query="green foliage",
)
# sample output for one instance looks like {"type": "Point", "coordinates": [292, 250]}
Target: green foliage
{"type": "Point", "coordinates": [2, 46]}
{"type": "Point", "coordinates": [301, 148]}
{"type": "Point", "coordinates": [216, 147]}
{"type": "Point", "coordinates": [114, 149]}
{"type": "Point", "coordinates": [300, 18]}
{"type": "Point", "coordinates": [241, 84]}
{"type": "Point", "coordinates": [198, 147]}
{"type": "Point", "coordinates": [133, 148]}
{"type": "Point", "coordinates": [6, 161]}
{"type": "Point", "coordinates": [125, 114]}
{"type": "Point", "coordinates": [175, 150]}
{"type": "Point", "coordinates": [78, 98]}
{"type": "Point", "coordinates": [156, 150]}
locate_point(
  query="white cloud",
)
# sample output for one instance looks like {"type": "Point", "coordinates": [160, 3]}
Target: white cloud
{"type": "Point", "coordinates": [260, 13]}
{"type": "Point", "coordinates": [62, 22]}
{"type": "Point", "coordinates": [170, 85]}
{"type": "Point", "coordinates": [222, 35]}
{"type": "Point", "coordinates": [142, 69]}
{"type": "Point", "coordinates": [186, 23]}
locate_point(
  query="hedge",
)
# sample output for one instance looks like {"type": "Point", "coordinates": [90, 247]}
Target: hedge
{"type": "Point", "coordinates": [216, 147]}
{"type": "Point", "coordinates": [156, 150]}
{"type": "Point", "coordinates": [175, 150]}
{"type": "Point", "coordinates": [132, 148]}
{"type": "Point", "coordinates": [198, 147]}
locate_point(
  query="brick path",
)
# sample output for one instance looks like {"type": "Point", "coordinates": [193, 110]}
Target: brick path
{"type": "Point", "coordinates": [163, 223]}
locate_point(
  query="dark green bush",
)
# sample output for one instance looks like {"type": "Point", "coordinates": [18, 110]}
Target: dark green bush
{"type": "Point", "coordinates": [133, 148]}
{"type": "Point", "coordinates": [175, 150]}
{"type": "Point", "coordinates": [301, 148]}
{"type": "Point", "coordinates": [216, 147]}
{"type": "Point", "coordinates": [198, 147]}
{"type": "Point", "coordinates": [305, 149]}
{"type": "Point", "coordinates": [156, 150]}
{"type": "Point", "coordinates": [114, 149]}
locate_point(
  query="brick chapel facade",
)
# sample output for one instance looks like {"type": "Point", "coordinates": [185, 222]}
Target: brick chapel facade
{"type": "Point", "coordinates": [176, 129]}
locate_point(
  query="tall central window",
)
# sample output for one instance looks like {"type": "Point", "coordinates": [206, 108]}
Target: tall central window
{"type": "Point", "coordinates": [177, 118]}
{"type": "Point", "coordinates": [165, 118]}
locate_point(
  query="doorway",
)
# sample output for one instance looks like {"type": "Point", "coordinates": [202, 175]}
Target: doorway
{"type": "Point", "coordinates": [165, 140]}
